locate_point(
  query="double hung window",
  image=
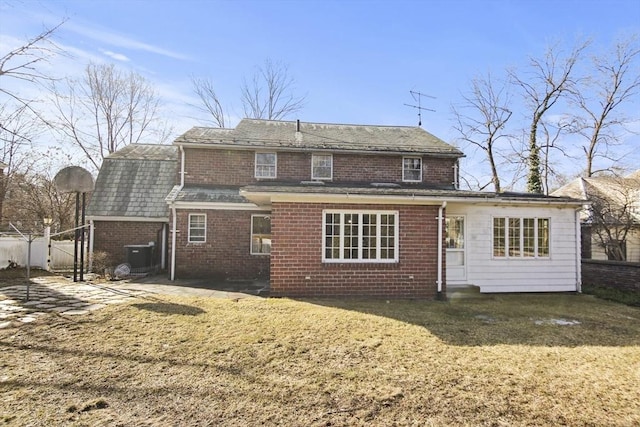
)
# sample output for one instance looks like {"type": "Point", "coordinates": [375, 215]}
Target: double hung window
{"type": "Point", "coordinates": [197, 228]}
{"type": "Point", "coordinates": [260, 235]}
{"type": "Point", "coordinates": [266, 165]}
{"type": "Point", "coordinates": [322, 166]}
{"type": "Point", "coordinates": [412, 169]}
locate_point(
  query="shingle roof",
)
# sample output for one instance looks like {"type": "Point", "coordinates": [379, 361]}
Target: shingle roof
{"type": "Point", "coordinates": [134, 181]}
{"type": "Point", "coordinates": [400, 190]}
{"type": "Point", "coordinates": [252, 133]}
{"type": "Point", "coordinates": [208, 194]}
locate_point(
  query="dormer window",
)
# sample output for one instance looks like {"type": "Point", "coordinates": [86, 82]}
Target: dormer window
{"type": "Point", "coordinates": [322, 166]}
{"type": "Point", "coordinates": [412, 169]}
{"type": "Point", "coordinates": [266, 165]}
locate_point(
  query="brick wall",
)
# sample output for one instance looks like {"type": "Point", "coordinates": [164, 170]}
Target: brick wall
{"type": "Point", "coordinates": [112, 236]}
{"type": "Point", "coordinates": [226, 252]}
{"type": "Point", "coordinates": [296, 258]}
{"type": "Point", "coordinates": [236, 167]}
{"type": "Point", "coordinates": [615, 274]}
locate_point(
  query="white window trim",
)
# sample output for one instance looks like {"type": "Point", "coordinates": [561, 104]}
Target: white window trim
{"type": "Point", "coordinates": [255, 165]}
{"type": "Point", "coordinates": [251, 236]}
{"type": "Point", "coordinates": [421, 169]}
{"type": "Point", "coordinates": [521, 237]}
{"type": "Point", "coordinates": [205, 228]}
{"type": "Point", "coordinates": [360, 260]}
{"type": "Point", "coordinates": [322, 178]}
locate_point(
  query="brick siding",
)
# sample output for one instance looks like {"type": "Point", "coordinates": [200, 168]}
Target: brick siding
{"type": "Point", "coordinates": [296, 256]}
{"type": "Point", "coordinates": [225, 255]}
{"type": "Point", "coordinates": [236, 168]}
{"type": "Point", "coordinates": [112, 236]}
{"type": "Point", "coordinates": [614, 274]}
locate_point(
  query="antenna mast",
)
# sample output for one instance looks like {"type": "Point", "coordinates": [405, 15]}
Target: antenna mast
{"type": "Point", "coordinates": [417, 97]}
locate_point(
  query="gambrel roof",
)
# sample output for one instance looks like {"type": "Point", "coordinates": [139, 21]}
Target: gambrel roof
{"type": "Point", "coordinates": [294, 135]}
{"type": "Point", "coordinates": [134, 181]}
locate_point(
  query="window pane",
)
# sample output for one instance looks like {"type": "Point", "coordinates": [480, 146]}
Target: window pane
{"type": "Point", "coordinates": [332, 236]}
{"type": "Point", "coordinates": [369, 233]}
{"type": "Point", "coordinates": [353, 236]}
{"type": "Point", "coordinates": [528, 237]}
{"type": "Point", "coordinates": [499, 240]}
{"type": "Point", "coordinates": [350, 236]}
{"type": "Point", "coordinates": [514, 236]}
{"type": "Point", "coordinates": [265, 165]}
{"type": "Point", "coordinates": [387, 236]}
{"type": "Point", "coordinates": [412, 169]}
{"type": "Point", "coordinates": [543, 237]}
{"type": "Point", "coordinates": [197, 228]}
{"type": "Point", "coordinates": [260, 234]}
{"type": "Point", "coordinates": [321, 166]}
{"type": "Point", "coordinates": [455, 232]}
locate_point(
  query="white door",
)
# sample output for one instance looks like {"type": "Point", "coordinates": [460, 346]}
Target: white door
{"type": "Point", "coordinates": [455, 244]}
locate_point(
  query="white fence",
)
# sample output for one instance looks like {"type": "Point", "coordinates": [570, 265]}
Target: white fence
{"type": "Point", "coordinates": [16, 249]}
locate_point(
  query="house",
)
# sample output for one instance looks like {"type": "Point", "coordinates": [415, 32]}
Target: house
{"type": "Point", "coordinates": [357, 210]}
{"type": "Point", "coordinates": [127, 207]}
{"type": "Point", "coordinates": [611, 221]}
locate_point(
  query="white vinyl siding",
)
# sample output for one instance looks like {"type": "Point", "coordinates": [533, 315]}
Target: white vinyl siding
{"type": "Point", "coordinates": [197, 228]}
{"type": "Point", "coordinates": [556, 272]}
{"type": "Point", "coordinates": [360, 236]}
{"type": "Point", "coordinates": [322, 166]}
{"type": "Point", "coordinates": [266, 165]}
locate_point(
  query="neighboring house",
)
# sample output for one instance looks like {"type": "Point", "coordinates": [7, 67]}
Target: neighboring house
{"type": "Point", "coordinates": [127, 207]}
{"type": "Point", "coordinates": [355, 210]}
{"type": "Point", "coordinates": [611, 220]}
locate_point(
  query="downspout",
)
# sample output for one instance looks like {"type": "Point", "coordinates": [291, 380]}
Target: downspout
{"type": "Point", "coordinates": [91, 240]}
{"type": "Point", "coordinates": [578, 253]}
{"type": "Point", "coordinates": [173, 216]}
{"type": "Point", "coordinates": [440, 227]}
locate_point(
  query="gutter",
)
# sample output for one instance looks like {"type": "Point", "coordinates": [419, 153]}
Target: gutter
{"type": "Point", "coordinates": [174, 219]}
{"type": "Point", "coordinates": [293, 147]}
{"type": "Point", "coordinates": [440, 227]}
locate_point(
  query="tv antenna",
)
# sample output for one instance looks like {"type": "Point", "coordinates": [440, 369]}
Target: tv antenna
{"type": "Point", "coordinates": [417, 97]}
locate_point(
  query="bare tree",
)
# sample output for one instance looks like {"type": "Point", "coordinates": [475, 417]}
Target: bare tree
{"type": "Point", "coordinates": [551, 134]}
{"type": "Point", "coordinates": [483, 121]}
{"type": "Point", "coordinates": [23, 64]}
{"type": "Point", "coordinates": [106, 110]}
{"type": "Point", "coordinates": [548, 81]}
{"type": "Point", "coordinates": [614, 82]}
{"type": "Point", "coordinates": [210, 102]}
{"type": "Point", "coordinates": [269, 94]}
{"type": "Point", "coordinates": [16, 147]}
{"type": "Point", "coordinates": [612, 214]}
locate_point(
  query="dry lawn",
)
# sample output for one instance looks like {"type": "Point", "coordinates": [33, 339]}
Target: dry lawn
{"type": "Point", "coordinates": [202, 362]}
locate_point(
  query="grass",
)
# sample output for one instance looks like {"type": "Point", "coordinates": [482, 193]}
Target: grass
{"type": "Point", "coordinates": [18, 276]}
{"type": "Point", "coordinates": [204, 362]}
{"type": "Point", "coordinates": [612, 294]}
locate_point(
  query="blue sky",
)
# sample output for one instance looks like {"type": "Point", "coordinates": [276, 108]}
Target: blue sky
{"type": "Point", "coordinates": [356, 61]}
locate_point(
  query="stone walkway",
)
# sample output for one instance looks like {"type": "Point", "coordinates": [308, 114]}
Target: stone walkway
{"type": "Point", "coordinates": [57, 294]}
